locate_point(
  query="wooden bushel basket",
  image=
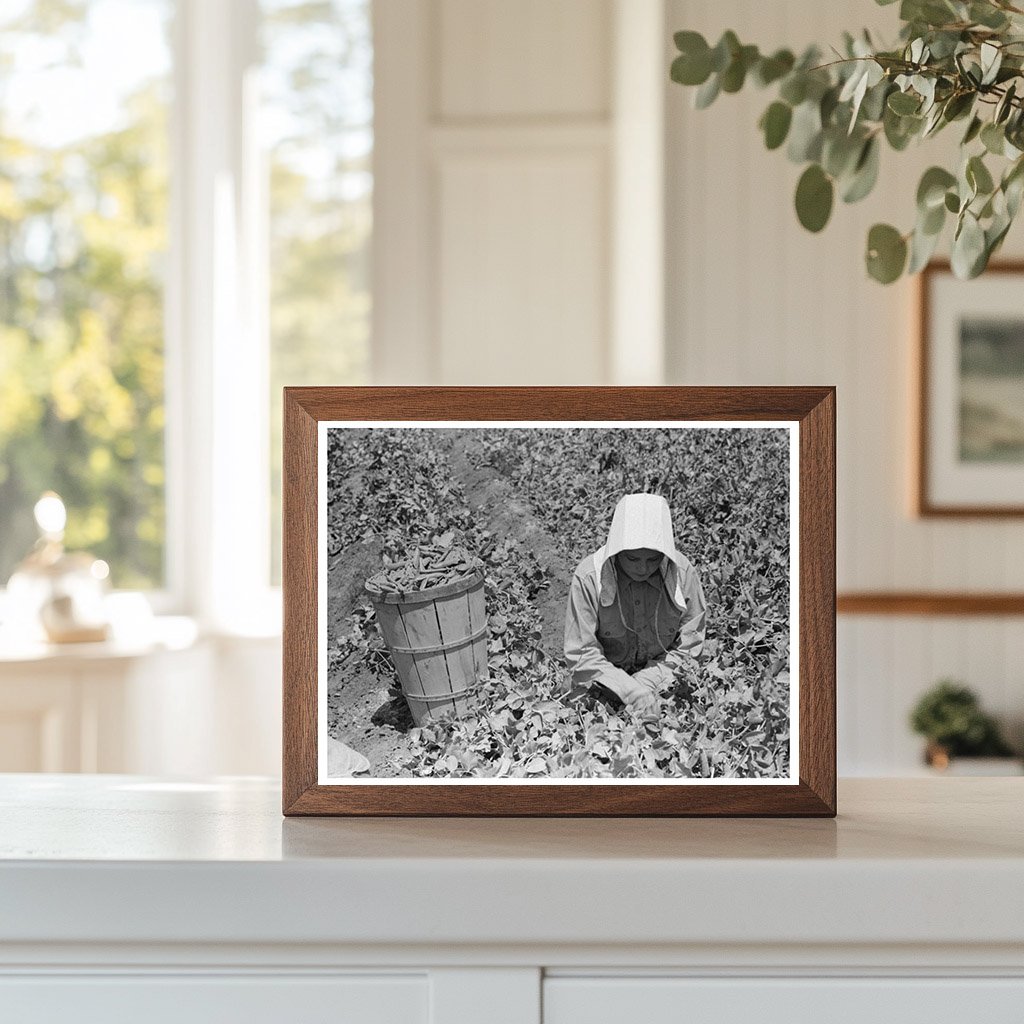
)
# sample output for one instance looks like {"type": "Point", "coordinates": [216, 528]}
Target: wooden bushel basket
{"type": "Point", "coordinates": [438, 642]}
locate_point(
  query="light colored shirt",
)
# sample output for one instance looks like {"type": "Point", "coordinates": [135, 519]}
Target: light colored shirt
{"type": "Point", "coordinates": [641, 638]}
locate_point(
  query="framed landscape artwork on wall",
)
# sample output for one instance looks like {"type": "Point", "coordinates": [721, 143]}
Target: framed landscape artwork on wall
{"type": "Point", "coordinates": [573, 601]}
{"type": "Point", "coordinates": [970, 446]}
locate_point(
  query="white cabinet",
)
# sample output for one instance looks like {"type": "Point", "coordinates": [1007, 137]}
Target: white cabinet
{"type": "Point", "coordinates": [202, 999]}
{"type": "Point", "coordinates": [824, 1000]}
{"type": "Point", "coordinates": [126, 899]}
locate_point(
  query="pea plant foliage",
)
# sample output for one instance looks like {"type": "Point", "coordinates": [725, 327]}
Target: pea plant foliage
{"type": "Point", "coordinates": [957, 65]}
{"type": "Point", "coordinates": [527, 505]}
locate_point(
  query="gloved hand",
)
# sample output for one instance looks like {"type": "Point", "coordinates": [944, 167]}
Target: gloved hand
{"type": "Point", "coordinates": [641, 697]}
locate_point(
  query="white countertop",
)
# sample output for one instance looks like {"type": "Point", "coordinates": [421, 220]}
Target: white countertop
{"type": "Point", "coordinates": [123, 859]}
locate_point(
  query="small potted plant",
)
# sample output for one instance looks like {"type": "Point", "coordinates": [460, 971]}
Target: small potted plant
{"type": "Point", "coordinates": [950, 717]}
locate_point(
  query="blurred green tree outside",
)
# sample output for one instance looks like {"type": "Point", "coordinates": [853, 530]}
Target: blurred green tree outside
{"type": "Point", "coordinates": [318, 123]}
{"type": "Point", "coordinates": [83, 229]}
{"type": "Point", "coordinates": [83, 239]}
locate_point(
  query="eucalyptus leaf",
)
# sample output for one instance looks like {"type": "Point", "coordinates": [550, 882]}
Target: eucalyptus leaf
{"type": "Point", "coordinates": [805, 133]}
{"type": "Point", "coordinates": [922, 248]}
{"type": "Point", "coordinates": [973, 130]}
{"type": "Point", "coordinates": [771, 69]}
{"type": "Point", "coordinates": [958, 105]}
{"type": "Point", "coordinates": [903, 103]}
{"type": "Point", "coordinates": [840, 152]}
{"type": "Point", "coordinates": [724, 51]}
{"type": "Point", "coordinates": [775, 124]}
{"type": "Point", "coordinates": [932, 221]}
{"type": "Point", "coordinates": [865, 173]}
{"type": "Point", "coordinates": [991, 60]}
{"type": "Point", "coordinates": [968, 247]}
{"type": "Point", "coordinates": [707, 93]}
{"type": "Point", "coordinates": [900, 130]}
{"type": "Point", "coordinates": [873, 106]}
{"type": "Point", "coordinates": [993, 138]}
{"type": "Point", "coordinates": [987, 15]}
{"type": "Point", "coordinates": [931, 191]}
{"type": "Point", "coordinates": [886, 253]}
{"type": "Point", "coordinates": [814, 196]}
{"type": "Point", "coordinates": [794, 88]}
{"type": "Point", "coordinates": [735, 74]}
{"type": "Point", "coordinates": [1005, 105]}
{"type": "Point", "coordinates": [693, 67]}
{"type": "Point", "coordinates": [978, 176]}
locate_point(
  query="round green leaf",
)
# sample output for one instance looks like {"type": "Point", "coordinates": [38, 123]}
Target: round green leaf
{"type": "Point", "coordinates": [865, 173]}
{"type": "Point", "coordinates": [775, 123]}
{"type": "Point", "coordinates": [725, 49]}
{"type": "Point", "coordinates": [968, 256]}
{"type": "Point", "coordinates": [814, 195]}
{"type": "Point", "coordinates": [693, 65]}
{"type": "Point", "coordinates": [952, 202]}
{"type": "Point", "coordinates": [973, 129]}
{"type": "Point", "coordinates": [707, 93]}
{"type": "Point", "coordinates": [958, 106]}
{"type": "Point", "coordinates": [993, 138]}
{"type": "Point", "coordinates": [794, 89]}
{"type": "Point", "coordinates": [903, 103]}
{"type": "Point", "coordinates": [900, 130]}
{"type": "Point", "coordinates": [978, 176]}
{"type": "Point", "coordinates": [887, 253]}
{"type": "Point", "coordinates": [840, 152]}
{"type": "Point", "coordinates": [770, 69]}
{"type": "Point", "coordinates": [805, 133]}
{"type": "Point", "coordinates": [922, 248]}
{"type": "Point", "coordinates": [932, 189]}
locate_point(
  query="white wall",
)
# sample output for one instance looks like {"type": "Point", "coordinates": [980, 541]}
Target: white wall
{"type": "Point", "coordinates": [505, 132]}
{"type": "Point", "coordinates": [754, 299]}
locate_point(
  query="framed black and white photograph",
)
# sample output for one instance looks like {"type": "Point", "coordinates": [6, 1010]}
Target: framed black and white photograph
{"type": "Point", "coordinates": [517, 601]}
{"type": "Point", "coordinates": [970, 452]}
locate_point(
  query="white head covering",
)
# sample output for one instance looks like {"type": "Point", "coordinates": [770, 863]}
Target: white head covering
{"type": "Point", "coordinates": [641, 521]}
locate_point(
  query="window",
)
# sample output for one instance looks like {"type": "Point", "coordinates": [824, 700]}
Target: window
{"type": "Point", "coordinates": [317, 126]}
{"type": "Point", "coordinates": [83, 236]}
{"type": "Point", "coordinates": [185, 221]}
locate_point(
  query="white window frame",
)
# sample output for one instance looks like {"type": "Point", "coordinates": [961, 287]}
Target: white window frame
{"type": "Point", "coordinates": [217, 349]}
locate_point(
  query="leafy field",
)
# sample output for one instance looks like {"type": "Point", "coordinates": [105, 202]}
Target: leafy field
{"type": "Point", "coordinates": [531, 503]}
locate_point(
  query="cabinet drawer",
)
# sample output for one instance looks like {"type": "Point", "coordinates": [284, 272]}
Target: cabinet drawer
{"type": "Point", "coordinates": [205, 999]}
{"type": "Point", "coordinates": [667, 1000]}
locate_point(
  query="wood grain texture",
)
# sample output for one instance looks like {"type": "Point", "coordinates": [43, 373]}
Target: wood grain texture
{"type": "Point", "coordinates": [299, 597]}
{"type": "Point", "coordinates": [812, 407]}
{"type": "Point", "coordinates": [924, 603]}
{"type": "Point", "coordinates": [923, 503]}
{"type": "Point", "coordinates": [817, 569]}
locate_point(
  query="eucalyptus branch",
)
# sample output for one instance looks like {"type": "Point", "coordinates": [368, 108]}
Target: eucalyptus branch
{"type": "Point", "coordinates": [833, 117]}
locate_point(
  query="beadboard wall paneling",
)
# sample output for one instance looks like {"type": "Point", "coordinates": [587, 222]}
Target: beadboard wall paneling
{"type": "Point", "coordinates": [495, 202]}
{"type": "Point", "coordinates": [527, 59]}
{"type": "Point", "coordinates": [754, 299]}
{"type": "Point", "coordinates": [499, 309]}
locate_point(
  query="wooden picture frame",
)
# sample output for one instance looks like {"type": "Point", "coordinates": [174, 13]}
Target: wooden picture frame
{"type": "Point", "coordinates": [807, 414]}
{"type": "Point", "coordinates": [961, 471]}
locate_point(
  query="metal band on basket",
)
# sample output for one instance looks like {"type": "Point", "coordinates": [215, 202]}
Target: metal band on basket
{"type": "Point", "coordinates": [437, 698]}
{"type": "Point", "coordinates": [447, 646]}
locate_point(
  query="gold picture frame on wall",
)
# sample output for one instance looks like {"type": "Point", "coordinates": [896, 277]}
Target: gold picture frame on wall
{"type": "Point", "coordinates": [970, 385]}
{"type": "Point", "coordinates": [365, 469]}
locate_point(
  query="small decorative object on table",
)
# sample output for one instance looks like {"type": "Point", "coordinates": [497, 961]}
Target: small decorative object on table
{"type": "Point", "coordinates": [960, 734]}
{"type": "Point", "coordinates": [54, 593]}
{"type": "Point", "coordinates": [575, 601]}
